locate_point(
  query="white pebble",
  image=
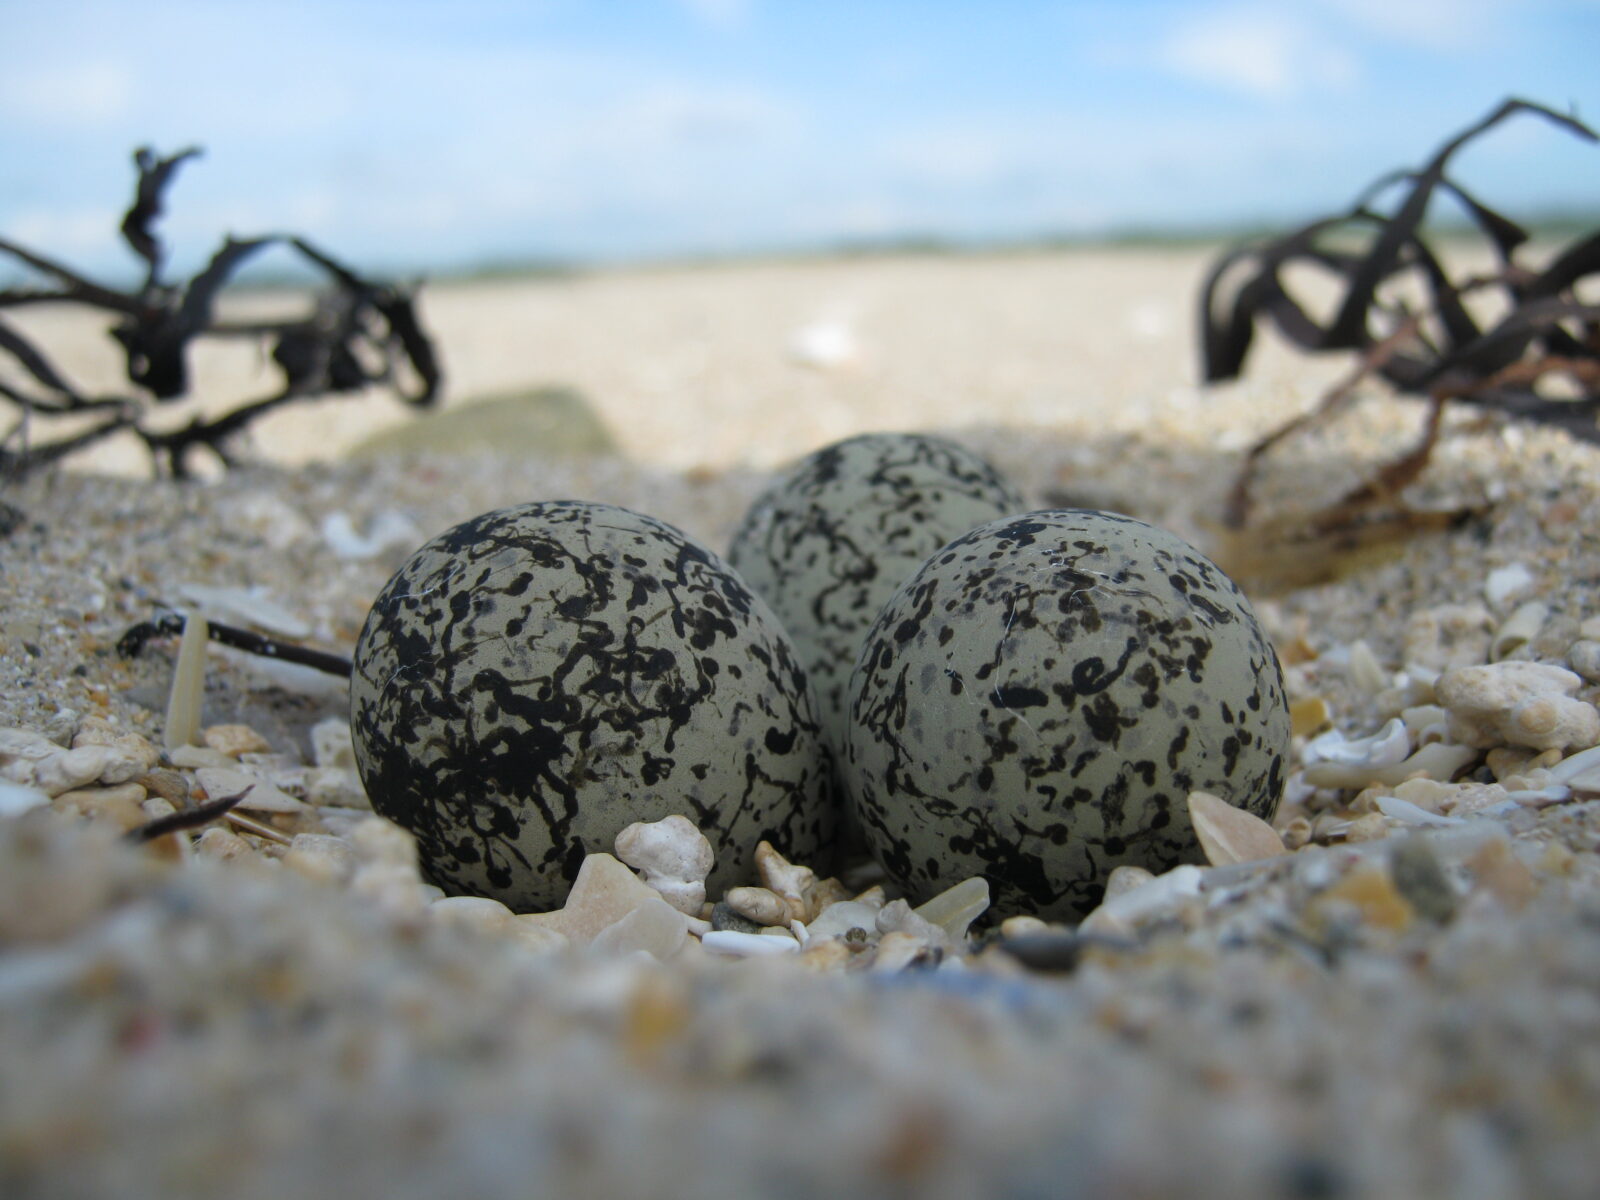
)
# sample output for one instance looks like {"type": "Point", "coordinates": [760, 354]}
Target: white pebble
{"type": "Point", "coordinates": [1411, 814]}
{"type": "Point", "coordinates": [734, 944]}
{"type": "Point", "coordinates": [331, 744]}
{"type": "Point", "coordinates": [1505, 582]}
{"type": "Point", "coordinates": [18, 798]}
{"type": "Point", "coordinates": [1583, 656]}
{"type": "Point", "coordinates": [260, 796]}
{"type": "Point", "coordinates": [321, 856]}
{"type": "Point", "coordinates": [1157, 897]}
{"type": "Point", "coordinates": [388, 529]}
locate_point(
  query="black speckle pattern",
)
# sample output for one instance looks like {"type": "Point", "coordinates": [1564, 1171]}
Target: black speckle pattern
{"type": "Point", "coordinates": [1035, 704]}
{"type": "Point", "coordinates": [536, 679]}
{"type": "Point", "coordinates": [828, 544]}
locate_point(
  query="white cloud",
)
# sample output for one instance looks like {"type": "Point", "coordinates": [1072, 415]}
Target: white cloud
{"type": "Point", "coordinates": [719, 14]}
{"type": "Point", "coordinates": [1443, 26]}
{"type": "Point", "coordinates": [1258, 51]}
{"type": "Point", "coordinates": [86, 95]}
{"type": "Point", "coordinates": [958, 157]}
{"type": "Point", "coordinates": [672, 115]}
{"type": "Point", "coordinates": [67, 234]}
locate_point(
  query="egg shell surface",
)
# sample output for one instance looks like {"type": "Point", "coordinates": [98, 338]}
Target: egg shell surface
{"type": "Point", "coordinates": [537, 678]}
{"type": "Point", "coordinates": [827, 545]}
{"type": "Point", "coordinates": [1037, 701]}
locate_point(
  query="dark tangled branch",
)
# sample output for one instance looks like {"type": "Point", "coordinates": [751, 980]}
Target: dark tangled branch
{"type": "Point", "coordinates": [360, 333]}
{"type": "Point", "coordinates": [1445, 354]}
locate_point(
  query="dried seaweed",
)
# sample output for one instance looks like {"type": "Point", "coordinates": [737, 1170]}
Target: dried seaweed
{"type": "Point", "coordinates": [1448, 354]}
{"type": "Point", "coordinates": [134, 639]}
{"type": "Point", "coordinates": [360, 333]}
{"type": "Point", "coordinates": [1545, 332]}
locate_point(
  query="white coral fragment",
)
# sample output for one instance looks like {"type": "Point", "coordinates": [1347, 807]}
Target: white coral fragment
{"type": "Point", "coordinates": [674, 858]}
{"type": "Point", "coordinates": [1447, 635]}
{"type": "Point", "coordinates": [795, 883]}
{"type": "Point", "coordinates": [1518, 704]}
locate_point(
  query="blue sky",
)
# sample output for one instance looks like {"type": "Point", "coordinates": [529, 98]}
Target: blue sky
{"type": "Point", "coordinates": [408, 135]}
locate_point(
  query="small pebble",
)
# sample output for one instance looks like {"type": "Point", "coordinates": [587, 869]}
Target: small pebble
{"type": "Point", "coordinates": [132, 755]}
{"type": "Point", "coordinates": [1421, 880]}
{"type": "Point", "coordinates": [1583, 656]}
{"type": "Point", "coordinates": [223, 844]}
{"type": "Point", "coordinates": [119, 806]}
{"type": "Point", "coordinates": [725, 916]}
{"type": "Point", "coordinates": [759, 904]}
{"type": "Point", "coordinates": [321, 857]}
{"type": "Point", "coordinates": [234, 740]}
{"type": "Point", "coordinates": [478, 913]}
{"type": "Point", "coordinates": [1498, 871]}
{"type": "Point", "coordinates": [1371, 894]}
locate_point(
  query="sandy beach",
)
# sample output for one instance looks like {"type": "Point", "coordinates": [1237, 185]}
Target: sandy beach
{"type": "Point", "coordinates": [238, 1012]}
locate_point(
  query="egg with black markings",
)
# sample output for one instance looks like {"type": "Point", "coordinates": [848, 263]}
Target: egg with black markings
{"type": "Point", "coordinates": [1037, 701]}
{"type": "Point", "coordinates": [829, 542]}
{"type": "Point", "coordinates": [537, 678]}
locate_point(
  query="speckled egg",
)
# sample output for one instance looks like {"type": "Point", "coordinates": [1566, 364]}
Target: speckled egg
{"type": "Point", "coordinates": [1036, 702]}
{"type": "Point", "coordinates": [827, 545]}
{"type": "Point", "coordinates": [539, 677]}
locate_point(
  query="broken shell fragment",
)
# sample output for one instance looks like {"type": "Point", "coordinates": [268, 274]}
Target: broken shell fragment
{"type": "Point", "coordinates": [1437, 760]}
{"type": "Point", "coordinates": [1520, 628]}
{"type": "Point", "coordinates": [1228, 834]}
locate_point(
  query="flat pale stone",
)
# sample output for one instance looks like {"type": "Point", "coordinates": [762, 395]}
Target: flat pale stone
{"type": "Point", "coordinates": [536, 938]}
{"type": "Point", "coordinates": [473, 912]}
{"type": "Point", "coordinates": [604, 892]}
{"type": "Point", "coordinates": [118, 805]}
{"type": "Point", "coordinates": [654, 927]}
{"type": "Point", "coordinates": [548, 421]}
{"type": "Point", "coordinates": [261, 797]}
{"type": "Point", "coordinates": [132, 754]}
{"type": "Point", "coordinates": [956, 908]}
{"type": "Point", "coordinates": [1124, 879]}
